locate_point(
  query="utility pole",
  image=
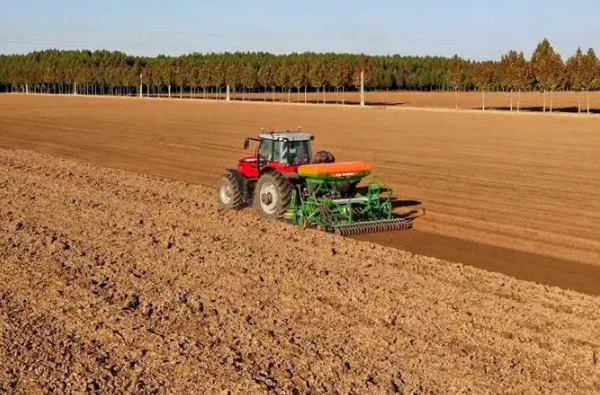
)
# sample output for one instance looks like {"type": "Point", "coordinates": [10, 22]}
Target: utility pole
{"type": "Point", "coordinates": [362, 88]}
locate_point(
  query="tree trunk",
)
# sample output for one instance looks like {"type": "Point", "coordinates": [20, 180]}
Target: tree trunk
{"type": "Point", "coordinates": [588, 101]}
{"type": "Point", "coordinates": [456, 98]}
{"type": "Point", "coordinates": [169, 91]}
{"type": "Point", "coordinates": [343, 95]}
{"type": "Point", "coordinates": [289, 94]}
{"type": "Point", "coordinates": [579, 105]}
{"type": "Point", "coordinates": [273, 91]}
{"type": "Point", "coordinates": [551, 100]}
{"type": "Point", "coordinates": [483, 100]}
{"type": "Point", "coordinates": [324, 98]}
{"type": "Point", "coordinates": [511, 101]}
{"type": "Point", "coordinates": [544, 94]}
{"type": "Point", "coordinates": [519, 100]}
{"type": "Point", "coordinates": [304, 94]}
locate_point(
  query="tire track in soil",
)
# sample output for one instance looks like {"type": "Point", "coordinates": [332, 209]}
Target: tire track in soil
{"type": "Point", "coordinates": [127, 284]}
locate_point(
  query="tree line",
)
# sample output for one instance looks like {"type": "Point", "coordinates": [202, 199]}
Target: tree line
{"type": "Point", "coordinates": [115, 72]}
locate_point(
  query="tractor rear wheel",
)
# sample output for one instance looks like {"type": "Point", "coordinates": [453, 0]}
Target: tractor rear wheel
{"type": "Point", "coordinates": [228, 192]}
{"type": "Point", "coordinates": [272, 195]}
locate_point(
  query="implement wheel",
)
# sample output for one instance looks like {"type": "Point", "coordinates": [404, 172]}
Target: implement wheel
{"type": "Point", "coordinates": [228, 192]}
{"type": "Point", "coordinates": [272, 195]}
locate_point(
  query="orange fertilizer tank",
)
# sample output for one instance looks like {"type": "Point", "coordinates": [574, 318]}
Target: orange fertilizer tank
{"type": "Point", "coordinates": [335, 170]}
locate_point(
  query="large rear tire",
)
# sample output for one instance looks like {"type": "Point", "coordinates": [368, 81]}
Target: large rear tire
{"type": "Point", "coordinates": [228, 192]}
{"type": "Point", "coordinates": [272, 195]}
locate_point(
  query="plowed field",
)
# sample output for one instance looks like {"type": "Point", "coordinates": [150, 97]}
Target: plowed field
{"type": "Point", "coordinates": [514, 194]}
{"type": "Point", "coordinates": [114, 282]}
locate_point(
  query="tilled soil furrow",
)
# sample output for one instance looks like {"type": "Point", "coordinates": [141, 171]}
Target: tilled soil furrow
{"type": "Point", "coordinates": [186, 297]}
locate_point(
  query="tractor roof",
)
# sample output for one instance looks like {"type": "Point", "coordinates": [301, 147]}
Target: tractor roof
{"type": "Point", "coordinates": [292, 136]}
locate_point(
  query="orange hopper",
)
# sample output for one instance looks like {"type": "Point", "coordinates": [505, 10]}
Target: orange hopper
{"type": "Point", "coordinates": [335, 170]}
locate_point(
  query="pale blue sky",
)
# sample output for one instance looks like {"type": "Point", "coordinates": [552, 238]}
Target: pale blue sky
{"type": "Point", "coordinates": [476, 29]}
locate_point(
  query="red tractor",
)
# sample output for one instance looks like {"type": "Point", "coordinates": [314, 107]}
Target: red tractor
{"type": "Point", "coordinates": [264, 179]}
{"type": "Point", "coordinates": [283, 180]}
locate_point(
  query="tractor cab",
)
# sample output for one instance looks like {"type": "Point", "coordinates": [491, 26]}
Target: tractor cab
{"type": "Point", "coordinates": [280, 151]}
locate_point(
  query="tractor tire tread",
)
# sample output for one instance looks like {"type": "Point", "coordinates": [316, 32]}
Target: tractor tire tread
{"type": "Point", "coordinates": [284, 188]}
{"type": "Point", "coordinates": [236, 200]}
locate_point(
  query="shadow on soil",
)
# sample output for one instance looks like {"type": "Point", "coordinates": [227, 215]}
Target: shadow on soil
{"type": "Point", "coordinates": [339, 102]}
{"type": "Point", "coordinates": [572, 109]}
{"type": "Point", "coordinates": [396, 203]}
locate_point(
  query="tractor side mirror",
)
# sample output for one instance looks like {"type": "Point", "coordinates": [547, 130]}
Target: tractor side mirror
{"type": "Point", "coordinates": [246, 143]}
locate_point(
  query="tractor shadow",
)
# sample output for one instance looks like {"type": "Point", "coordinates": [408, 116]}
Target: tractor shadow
{"type": "Point", "coordinates": [397, 203]}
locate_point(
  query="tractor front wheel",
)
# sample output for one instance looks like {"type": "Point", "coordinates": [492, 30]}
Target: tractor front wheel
{"type": "Point", "coordinates": [228, 192]}
{"type": "Point", "coordinates": [272, 195]}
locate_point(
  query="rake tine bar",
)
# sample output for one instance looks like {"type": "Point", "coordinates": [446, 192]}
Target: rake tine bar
{"type": "Point", "coordinates": [361, 228]}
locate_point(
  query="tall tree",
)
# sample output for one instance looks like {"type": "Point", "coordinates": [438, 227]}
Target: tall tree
{"type": "Point", "coordinates": [483, 78]}
{"type": "Point", "coordinates": [455, 77]}
{"type": "Point", "coordinates": [283, 78]}
{"type": "Point", "coordinates": [522, 76]}
{"type": "Point", "coordinates": [574, 70]}
{"type": "Point", "coordinates": [204, 77]}
{"type": "Point", "coordinates": [233, 76]}
{"type": "Point", "coordinates": [548, 69]}
{"type": "Point", "coordinates": [590, 74]}
{"type": "Point", "coordinates": [249, 77]}
{"type": "Point", "coordinates": [366, 68]}
{"type": "Point", "coordinates": [266, 76]}
{"type": "Point", "coordinates": [507, 73]}
{"type": "Point", "coordinates": [318, 74]}
{"type": "Point", "coordinates": [299, 73]}
{"type": "Point", "coordinates": [340, 75]}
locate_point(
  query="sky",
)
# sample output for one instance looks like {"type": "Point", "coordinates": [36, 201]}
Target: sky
{"type": "Point", "coordinates": [474, 29]}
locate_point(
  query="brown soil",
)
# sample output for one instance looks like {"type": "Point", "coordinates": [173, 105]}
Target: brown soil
{"type": "Point", "coordinates": [113, 282]}
{"type": "Point", "coordinates": [522, 265]}
{"type": "Point", "coordinates": [522, 183]}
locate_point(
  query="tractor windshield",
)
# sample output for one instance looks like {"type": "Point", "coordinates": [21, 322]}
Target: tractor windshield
{"type": "Point", "coordinates": [292, 152]}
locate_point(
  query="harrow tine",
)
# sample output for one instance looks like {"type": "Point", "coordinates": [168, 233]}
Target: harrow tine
{"type": "Point", "coordinates": [361, 228]}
